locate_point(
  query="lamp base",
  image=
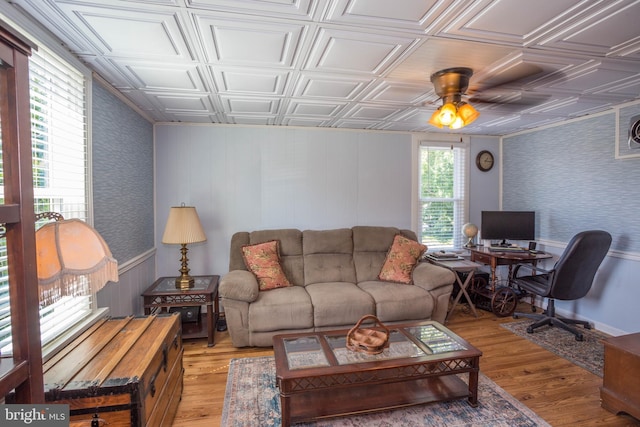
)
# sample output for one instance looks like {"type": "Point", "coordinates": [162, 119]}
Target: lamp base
{"type": "Point", "coordinates": [184, 282]}
{"type": "Point", "coordinates": [470, 243]}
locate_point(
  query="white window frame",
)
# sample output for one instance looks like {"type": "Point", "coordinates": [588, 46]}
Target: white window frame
{"type": "Point", "coordinates": [65, 311]}
{"type": "Point", "coordinates": [461, 212]}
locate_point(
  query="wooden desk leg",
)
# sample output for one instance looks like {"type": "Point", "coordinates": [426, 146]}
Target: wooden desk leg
{"type": "Point", "coordinates": [494, 265]}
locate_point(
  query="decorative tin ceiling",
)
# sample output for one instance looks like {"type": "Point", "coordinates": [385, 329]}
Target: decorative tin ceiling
{"type": "Point", "coordinates": [361, 64]}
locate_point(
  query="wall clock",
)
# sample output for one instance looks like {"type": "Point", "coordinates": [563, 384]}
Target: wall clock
{"type": "Point", "coordinates": [484, 160]}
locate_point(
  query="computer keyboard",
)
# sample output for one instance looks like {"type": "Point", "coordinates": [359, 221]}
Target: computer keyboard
{"type": "Point", "coordinates": [507, 249]}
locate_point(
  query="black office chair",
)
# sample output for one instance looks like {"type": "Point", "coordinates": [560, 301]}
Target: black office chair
{"type": "Point", "coordinates": [570, 279]}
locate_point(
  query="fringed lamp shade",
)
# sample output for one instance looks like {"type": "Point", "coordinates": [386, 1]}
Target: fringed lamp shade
{"type": "Point", "coordinates": [72, 259]}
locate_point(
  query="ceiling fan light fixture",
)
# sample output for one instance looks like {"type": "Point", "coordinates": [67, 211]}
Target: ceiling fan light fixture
{"type": "Point", "coordinates": [457, 123]}
{"type": "Point", "coordinates": [435, 119]}
{"type": "Point", "coordinates": [450, 85]}
{"type": "Point", "coordinates": [454, 115]}
{"type": "Point", "coordinates": [467, 113]}
{"type": "Point", "coordinates": [447, 114]}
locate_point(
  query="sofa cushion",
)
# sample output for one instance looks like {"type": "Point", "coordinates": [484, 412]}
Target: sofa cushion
{"type": "Point", "coordinates": [328, 256]}
{"type": "Point", "coordinates": [281, 309]}
{"type": "Point", "coordinates": [401, 259]}
{"type": "Point", "coordinates": [397, 302]}
{"type": "Point", "coordinates": [339, 303]}
{"type": "Point", "coordinates": [430, 276]}
{"type": "Point", "coordinates": [239, 285]}
{"type": "Point", "coordinates": [290, 250]}
{"type": "Point", "coordinates": [370, 247]}
{"type": "Point", "coordinates": [263, 260]}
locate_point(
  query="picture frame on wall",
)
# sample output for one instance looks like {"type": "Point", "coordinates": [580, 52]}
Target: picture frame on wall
{"type": "Point", "coordinates": [628, 132]}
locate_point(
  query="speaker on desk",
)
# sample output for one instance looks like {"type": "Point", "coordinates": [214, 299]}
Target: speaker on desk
{"type": "Point", "coordinates": [532, 246]}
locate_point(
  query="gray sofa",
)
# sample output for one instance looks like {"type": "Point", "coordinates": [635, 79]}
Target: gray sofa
{"type": "Point", "coordinates": [335, 282]}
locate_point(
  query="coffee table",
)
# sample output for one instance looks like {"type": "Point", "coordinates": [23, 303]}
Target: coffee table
{"type": "Point", "coordinates": [318, 377]}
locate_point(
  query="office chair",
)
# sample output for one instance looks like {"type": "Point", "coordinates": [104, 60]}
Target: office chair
{"type": "Point", "coordinates": [570, 279]}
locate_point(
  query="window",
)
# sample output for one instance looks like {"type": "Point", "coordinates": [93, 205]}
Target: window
{"type": "Point", "coordinates": [60, 171]}
{"type": "Point", "coordinates": [442, 195]}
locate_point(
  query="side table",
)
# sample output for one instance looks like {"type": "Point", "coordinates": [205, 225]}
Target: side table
{"type": "Point", "coordinates": [620, 391]}
{"type": "Point", "coordinates": [163, 295]}
{"type": "Point", "coordinates": [462, 266]}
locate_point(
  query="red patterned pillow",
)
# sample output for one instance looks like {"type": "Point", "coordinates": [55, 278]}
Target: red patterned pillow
{"type": "Point", "coordinates": [401, 259]}
{"type": "Point", "coordinates": [263, 260]}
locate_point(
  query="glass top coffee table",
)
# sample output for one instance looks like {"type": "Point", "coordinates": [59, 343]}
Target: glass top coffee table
{"type": "Point", "coordinates": [318, 377]}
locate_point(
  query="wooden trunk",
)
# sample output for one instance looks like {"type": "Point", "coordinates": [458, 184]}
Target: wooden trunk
{"type": "Point", "coordinates": [122, 372]}
{"type": "Point", "coordinates": [620, 391]}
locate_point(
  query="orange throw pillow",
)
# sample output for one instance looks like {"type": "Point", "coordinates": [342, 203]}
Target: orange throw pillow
{"type": "Point", "coordinates": [263, 260]}
{"type": "Point", "coordinates": [401, 259]}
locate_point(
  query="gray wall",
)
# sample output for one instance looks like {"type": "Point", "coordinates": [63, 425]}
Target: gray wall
{"type": "Point", "coordinates": [249, 178]}
{"type": "Point", "coordinates": [484, 187]}
{"type": "Point", "coordinates": [122, 154]}
{"type": "Point", "coordinates": [570, 176]}
{"type": "Point", "coordinates": [122, 175]}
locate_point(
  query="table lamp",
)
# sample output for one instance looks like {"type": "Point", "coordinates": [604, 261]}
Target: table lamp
{"type": "Point", "coordinates": [183, 227]}
{"type": "Point", "coordinates": [72, 259]}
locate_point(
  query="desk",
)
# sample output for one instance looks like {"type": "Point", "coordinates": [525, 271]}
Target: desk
{"type": "Point", "coordinates": [462, 266]}
{"type": "Point", "coordinates": [486, 256]}
{"type": "Point", "coordinates": [163, 295]}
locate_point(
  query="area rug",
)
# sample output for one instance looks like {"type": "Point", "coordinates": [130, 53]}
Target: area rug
{"type": "Point", "coordinates": [252, 400]}
{"type": "Point", "coordinates": [588, 354]}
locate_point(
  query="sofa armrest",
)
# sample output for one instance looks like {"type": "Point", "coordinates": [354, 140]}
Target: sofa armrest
{"type": "Point", "coordinates": [239, 285]}
{"type": "Point", "coordinates": [430, 277]}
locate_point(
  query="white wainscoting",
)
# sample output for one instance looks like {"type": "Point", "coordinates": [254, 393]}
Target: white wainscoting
{"type": "Point", "coordinates": [123, 298]}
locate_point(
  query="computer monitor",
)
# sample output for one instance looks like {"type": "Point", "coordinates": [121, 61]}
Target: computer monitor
{"type": "Point", "coordinates": [508, 225]}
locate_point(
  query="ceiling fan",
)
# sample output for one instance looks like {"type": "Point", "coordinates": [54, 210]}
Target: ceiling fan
{"type": "Point", "coordinates": [451, 84]}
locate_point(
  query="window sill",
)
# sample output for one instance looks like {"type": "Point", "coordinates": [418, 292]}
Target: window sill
{"type": "Point", "coordinates": [71, 334]}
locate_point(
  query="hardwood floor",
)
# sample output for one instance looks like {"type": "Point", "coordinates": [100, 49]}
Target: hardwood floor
{"type": "Point", "coordinates": [557, 390]}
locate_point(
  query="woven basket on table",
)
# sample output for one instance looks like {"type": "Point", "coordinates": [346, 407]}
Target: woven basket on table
{"type": "Point", "coordinates": [368, 340]}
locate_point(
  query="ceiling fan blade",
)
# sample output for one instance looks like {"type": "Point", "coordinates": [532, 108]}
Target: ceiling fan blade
{"type": "Point", "coordinates": [515, 77]}
{"type": "Point", "coordinates": [510, 98]}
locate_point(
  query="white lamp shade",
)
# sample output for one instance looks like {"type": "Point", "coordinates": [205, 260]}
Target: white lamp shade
{"type": "Point", "coordinates": [183, 226]}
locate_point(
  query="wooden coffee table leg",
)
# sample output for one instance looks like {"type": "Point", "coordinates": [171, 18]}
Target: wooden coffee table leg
{"type": "Point", "coordinates": [473, 383]}
{"type": "Point", "coordinates": [285, 410]}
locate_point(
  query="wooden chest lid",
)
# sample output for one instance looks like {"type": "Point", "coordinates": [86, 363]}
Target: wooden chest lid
{"type": "Point", "coordinates": [113, 352]}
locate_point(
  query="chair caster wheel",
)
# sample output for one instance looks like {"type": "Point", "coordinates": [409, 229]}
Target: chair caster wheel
{"type": "Point", "coordinates": [530, 330]}
{"type": "Point", "coordinates": [515, 316]}
{"type": "Point", "coordinates": [579, 337]}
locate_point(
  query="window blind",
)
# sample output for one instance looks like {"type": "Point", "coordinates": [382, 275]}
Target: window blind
{"type": "Point", "coordinates": [60, 173]}
{"type": "Point", "coordinates": [442, 198]}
